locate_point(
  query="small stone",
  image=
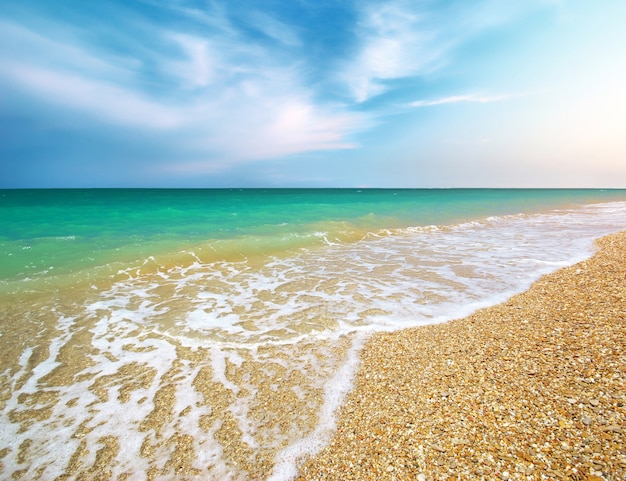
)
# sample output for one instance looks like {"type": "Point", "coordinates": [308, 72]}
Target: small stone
{"type": "Point", "coordinates": [586, 420]}
{"type": "Point", "coordinates": [421, 477]}
{"type": "Point", "coordinates": [612, 429]}
{"type": "Point", "coordinates": [389, 468]}
{"type": "Point", "coordinates": [505, 475]}
{"type": "Point", "coordinates": [436, 447]}
{"type": "Point", "coordinates": [594, 402]}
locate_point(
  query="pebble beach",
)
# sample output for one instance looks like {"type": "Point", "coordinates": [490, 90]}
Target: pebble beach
{"type": "Point", "coordinates": [532, 389]}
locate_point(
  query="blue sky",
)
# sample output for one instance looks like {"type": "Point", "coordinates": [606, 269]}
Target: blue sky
{"type": "Point", "coordinates": [313, 93]}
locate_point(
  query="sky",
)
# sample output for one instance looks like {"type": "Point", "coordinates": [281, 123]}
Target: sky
{"type": "Point", "coordinates": [313, 93]}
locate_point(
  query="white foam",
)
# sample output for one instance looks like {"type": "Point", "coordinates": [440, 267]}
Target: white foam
{"type": "Point", "coordinates": [336, 389]}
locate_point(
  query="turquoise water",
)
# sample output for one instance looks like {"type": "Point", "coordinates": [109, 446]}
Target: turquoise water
{"type": "Point", "coordinates": [51, 232]}
{"type": "Point", "coordinates": [212, 334]}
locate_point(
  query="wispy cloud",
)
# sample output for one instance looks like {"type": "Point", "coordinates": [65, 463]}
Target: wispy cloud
{"type": "Point", "coordinates": [285, 127]}
{"type": "Point", "coordinates": [197, 67]}
{"type": "Point", "coordinates": [394, 44]}
{"type": "Point", "coordinates": [27, 46]}
{"type": "Point", "coordinates": [217, 85]}
{"type": "Point", "coordinates": [227, 99]}
{"type": "Point", "coordinates": [100, 99]}
{"type": "Point", "coordinates": [459, 99]}
{"type": "Point", "coordinates": [275, 29]}
{"type": "Point", "coordinates": [402, 39]}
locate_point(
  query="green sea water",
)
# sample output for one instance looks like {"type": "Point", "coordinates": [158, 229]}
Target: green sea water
{"type": "Point", "coordinates": [47, 233]}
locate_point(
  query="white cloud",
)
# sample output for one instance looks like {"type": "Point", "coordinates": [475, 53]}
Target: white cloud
{"type": "Point", "coordinates": [265, 118]}
{"type": "Point", "coordinates": [212, 14]}
{"type": "Point", "coordinates": [395, 44]}
{"type": "Point", "coordinates": [458, 98]}
{"type": "Point", "coordinates": [401, 38]}
{"type": "Point", "coordinates": [22, 45]}
{"type": "Point", "coordinates": [100, 99]}
{"type": "Point", "coordinates": [274, 127]}
{"type": "Point", "coordinates": [197, 68]}
{"type": "Point", "coordinates": [230, 100]}
{"type": "Point", "coordinates": [276, 29]}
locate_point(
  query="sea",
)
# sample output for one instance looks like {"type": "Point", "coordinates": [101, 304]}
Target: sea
{"type": "Point", "coordinates": [214, 333]}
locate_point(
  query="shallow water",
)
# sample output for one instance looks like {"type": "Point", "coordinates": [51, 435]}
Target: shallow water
{"type": "Point", "coordinates": [177, 355]}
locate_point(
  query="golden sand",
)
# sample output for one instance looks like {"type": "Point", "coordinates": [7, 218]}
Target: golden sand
{"type": "Point", "coordinates": [531, 389]}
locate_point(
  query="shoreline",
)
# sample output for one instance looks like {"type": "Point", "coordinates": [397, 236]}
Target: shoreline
{"type": "Point", "coordinates": [124, 398]}
{"type": "Point", "coordinates": [534, 388]}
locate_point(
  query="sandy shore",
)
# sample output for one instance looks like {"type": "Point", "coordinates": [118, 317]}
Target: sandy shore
{"type": "Point", "coordinates": [531, 389]}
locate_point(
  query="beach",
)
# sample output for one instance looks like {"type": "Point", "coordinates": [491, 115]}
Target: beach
{"type": "Point", "coordinates": [530, 389]}
{"type": "Point", "coordinates": [166, 335]}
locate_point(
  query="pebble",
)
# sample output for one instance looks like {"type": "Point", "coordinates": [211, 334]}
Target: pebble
{"type": "Point", "coordinates": [612, 429]}
{"type": "Point", "coordinates": [437, 447]}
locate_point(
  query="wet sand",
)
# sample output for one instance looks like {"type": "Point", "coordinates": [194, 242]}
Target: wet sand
{"type": "Point", "coordinates": [531, 389]}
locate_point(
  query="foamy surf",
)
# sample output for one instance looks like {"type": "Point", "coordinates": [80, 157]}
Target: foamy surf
{"type": "Point", "coordinates": [234, 369]}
